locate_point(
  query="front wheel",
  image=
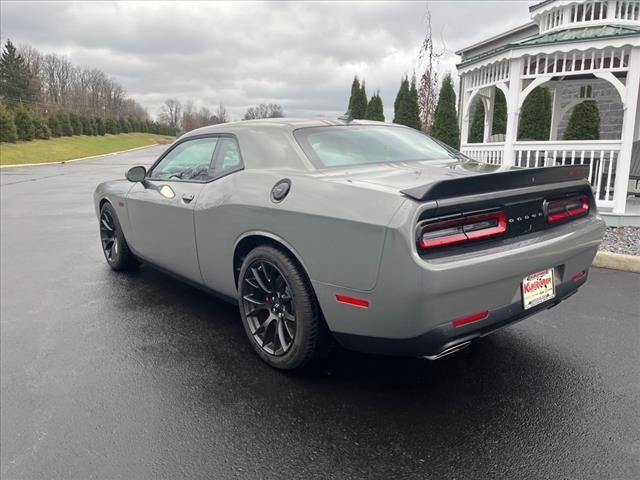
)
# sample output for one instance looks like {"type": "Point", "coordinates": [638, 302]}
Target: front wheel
{"type": "Point", "coordinates": [114, 246]}
{"type": "Point", "coordinates": [279, 311]}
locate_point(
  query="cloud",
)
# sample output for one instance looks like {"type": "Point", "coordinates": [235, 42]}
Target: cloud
{"type": "Point", "coordinates": [302, 55]}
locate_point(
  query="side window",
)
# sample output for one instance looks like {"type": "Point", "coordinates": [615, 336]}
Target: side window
{"type": "Point", "coordinates": [190, 160]}
{"type": "Point", "coordinates": [228, 156]}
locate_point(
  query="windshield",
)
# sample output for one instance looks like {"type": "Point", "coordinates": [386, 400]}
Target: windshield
{"type": "Point", "coordinates": [362, 144]}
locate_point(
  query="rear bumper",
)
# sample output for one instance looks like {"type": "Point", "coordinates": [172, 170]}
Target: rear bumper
{"type": "Point", "coordinates": [446, 338]}
{"type": "Point", "coordinates": [411, 308]}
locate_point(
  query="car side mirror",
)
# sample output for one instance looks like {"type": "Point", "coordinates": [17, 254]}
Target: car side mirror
{"type": "Point", "coordinates": [137, 174]}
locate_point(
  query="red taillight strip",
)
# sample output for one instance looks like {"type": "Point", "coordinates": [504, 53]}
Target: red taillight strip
{"type": "Point", "coordinates": [358, 302]}
{"type": "Point", "coordinates": [458, 322]}
{"type": "Point", "coordinates": [463, 229]}
{"type": "Point", "coordinates": [568, 212]}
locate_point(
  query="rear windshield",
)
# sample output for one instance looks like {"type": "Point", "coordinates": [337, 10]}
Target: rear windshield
{"type": "Point", "coordinates": [339, 146]}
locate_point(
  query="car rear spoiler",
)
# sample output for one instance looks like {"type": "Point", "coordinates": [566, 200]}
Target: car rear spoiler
{"type": "Point", "coordinates": [490, 182]}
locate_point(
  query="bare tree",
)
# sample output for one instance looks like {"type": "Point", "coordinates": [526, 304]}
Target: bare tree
{"type": "Point", "coordinates": [221, 115]}
{"type": "Point", "coordinates": [170, 112]}
{"type": "Point", "coordinates": [428, 60]}
{"type": "Point", "coordinates": [264, 110]}
{"type": "Point", "coordinates": [61, 84]}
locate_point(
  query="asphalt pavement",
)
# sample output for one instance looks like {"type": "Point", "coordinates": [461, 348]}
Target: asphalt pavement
{"type": "Point", "coordinates": [138, 376]}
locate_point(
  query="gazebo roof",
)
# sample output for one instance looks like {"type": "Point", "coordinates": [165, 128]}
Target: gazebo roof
{"type": "Point", "coordinates": [567, 35]}
{"type": "Point", "coordinates": [540, 4]}
{"type": "Point", "coordinates": [578, 35]}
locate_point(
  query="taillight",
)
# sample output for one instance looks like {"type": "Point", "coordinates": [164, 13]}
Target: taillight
{"type": "Point", "coordinates": [462, 229]}
{"type": "Point", "coordinates": [566, 208]}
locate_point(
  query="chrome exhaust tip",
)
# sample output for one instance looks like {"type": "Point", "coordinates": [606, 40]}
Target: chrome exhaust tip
{"type": "Point", "coordinates": [448, 351]}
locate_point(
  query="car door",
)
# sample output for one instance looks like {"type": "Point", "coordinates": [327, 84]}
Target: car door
{"type": "Point", "coordinates": [161, 209]}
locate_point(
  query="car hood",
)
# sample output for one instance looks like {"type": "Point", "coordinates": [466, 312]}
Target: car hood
{"type": "Point", "coordinates": [399, 176]}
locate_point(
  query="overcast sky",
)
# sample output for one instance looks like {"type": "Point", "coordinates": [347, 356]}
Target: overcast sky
{"type": "Point", "coordinates": [301, 55]}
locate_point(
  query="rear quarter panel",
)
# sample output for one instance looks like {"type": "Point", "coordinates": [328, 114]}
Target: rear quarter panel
{"type": "Point", "coordinates": [336, 230]}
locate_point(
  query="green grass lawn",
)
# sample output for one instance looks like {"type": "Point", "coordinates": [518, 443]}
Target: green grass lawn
{"type": "Point", "coordinates": [68, 148]}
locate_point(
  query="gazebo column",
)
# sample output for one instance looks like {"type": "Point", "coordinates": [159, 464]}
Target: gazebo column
{"type": "Point", "coordinates": [555, 114]}
{"type": "Point", "coordinates": [464, 124]}
{"type": "Point", "coordinates": [513, 110]}
{"type": "Point", "coordinates": [488, 102]}
{"type": "Point", "coordinates": [628, 131]}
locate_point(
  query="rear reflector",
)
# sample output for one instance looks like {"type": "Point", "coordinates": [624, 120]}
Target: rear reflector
{"type": "Point", "coordinates": [566, 208]}
{"type": "Point", "coordinates": [358, 302]}
{"type": "Point", "coordinates": [578, 276]}
{"type": "Point", "coordinates": [470, 319]}
{"type": "Point", "coordinates": [462, 229]}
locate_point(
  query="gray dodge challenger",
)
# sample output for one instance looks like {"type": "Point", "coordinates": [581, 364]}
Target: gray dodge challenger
{"type": "Point", "coordinates": [371, 235]}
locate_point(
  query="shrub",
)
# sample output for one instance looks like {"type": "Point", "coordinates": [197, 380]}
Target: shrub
{"type": "Point", "coordinates": [124, 126]}
{"type": "Point", "coordinates": [111, 125]}
{"type": "Point", "coordinates": [535, 119]}
{"type": "Point", "coordinates": [476, 129]}
{"type": "Point", "coordinates": [584, 122]}
{"type": "Point", "coordinates": [54, 125]}
{"type": "Point", "coordinates": [8, 131]}
{"type": "Point", "coordinates": [40, 128]}
{"type": "Point", "coordinates": [101, 128]}
{"type": "Point", "coordinates": [87, 127]}
{"type": "Point", "coordinates": [76, 124]}
{"type": "Point", "coordinates": [24, 124]}
{"type": "Point", "coordinates": [65, 124]}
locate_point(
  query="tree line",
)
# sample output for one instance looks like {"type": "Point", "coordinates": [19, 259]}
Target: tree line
{"type": "Point", "coordinates": [45, 96]}
{"type": "Point", "coordinates": [409, 110]}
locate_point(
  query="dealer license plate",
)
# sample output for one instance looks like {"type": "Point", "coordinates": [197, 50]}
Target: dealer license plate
{"type": "Point", "coordinates": [538, 288]}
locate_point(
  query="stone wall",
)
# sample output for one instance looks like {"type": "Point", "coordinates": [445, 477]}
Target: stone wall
{"type": "Point", "coordinates": [609, 104]}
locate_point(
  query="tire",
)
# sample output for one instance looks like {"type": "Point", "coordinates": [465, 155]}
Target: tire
{"type": "Point", "coordinates": [114, 246]}
{"type": "Point", "coordinates": [272, 288]}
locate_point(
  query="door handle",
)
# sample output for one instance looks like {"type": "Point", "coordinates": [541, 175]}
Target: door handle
{"type": "Point", "coordinates": [187, 197]}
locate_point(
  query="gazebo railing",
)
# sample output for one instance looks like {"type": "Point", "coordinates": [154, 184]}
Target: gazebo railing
{"type": "Point", "coordinates": [492, 153]}
{"type": "Point", "coordinates": [600, 155]}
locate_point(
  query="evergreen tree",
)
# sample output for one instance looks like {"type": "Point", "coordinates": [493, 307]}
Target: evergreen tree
{"type": "Point", "coordinates": [7, 126]}
{"type": "Point", "coordinates": [111, 126]}
{"type": "Point", "coordinates": [87, 128]}
{"type": "Point", "coordinates": [400, 114]}
{"type": "Point", "coordinates": [76, 124]}
{"type": "Point", "coordinates": [375, 109]}
{"type": "Point", "coordinates": [476, 130]}
{"type": "Point", "coordinates": [134, 124]}
{"type": "Point", "coordinates": [499, 113]}
{"type": "Point", "coordinates": [358, 100]}
{"type": "Point", "coordinates": [24, 124]}
{"type": "Point", "coordinates": [65, 124]}
{"type": "Point", "coordinates": [124, 125]}
{"type": "Point", "coordinates": [584, 122]}
{"type": "Point", "coordinates": [93, 125]}
{"type": "Point", "coordinates": [40, 128]}
{"type": "Point", "coordinates": [54, 125]}
{"type": "Point", "coordinates": [17, 83]}
{"type": "Point", "coordinates": [445, 124]}
{"type": "Point", "coordinates": [535, 117]}
{"type": "Point", "coordinates": [101, 128]}
{"type": "Point", "coordinates": [413, 109]}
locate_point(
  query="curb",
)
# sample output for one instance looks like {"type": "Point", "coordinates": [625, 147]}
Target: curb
{"type": "Point", "coordinates": [78, 159]}
{"type": "Point", "coordinates": [617, 261]}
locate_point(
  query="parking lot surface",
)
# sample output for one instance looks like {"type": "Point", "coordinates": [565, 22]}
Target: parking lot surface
{"type": "Point", "coordinates": [136, 376]}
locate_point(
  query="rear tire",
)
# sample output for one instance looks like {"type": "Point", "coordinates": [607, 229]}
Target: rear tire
{"type": "Point", "coordinates": [114, 245]}
{"type": "Point", "coordinates": [279, 310]}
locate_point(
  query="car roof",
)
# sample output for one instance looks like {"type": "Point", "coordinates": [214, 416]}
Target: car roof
{"type": "Point", "coordinates": [284, 123]}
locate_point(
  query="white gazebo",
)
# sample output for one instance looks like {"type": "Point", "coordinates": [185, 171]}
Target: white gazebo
{"type": "Point", "coordinates": [579, 49]}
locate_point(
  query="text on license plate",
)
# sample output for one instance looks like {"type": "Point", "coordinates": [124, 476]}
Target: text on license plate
{"type": "Point", "coordinates": [538, 288]}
